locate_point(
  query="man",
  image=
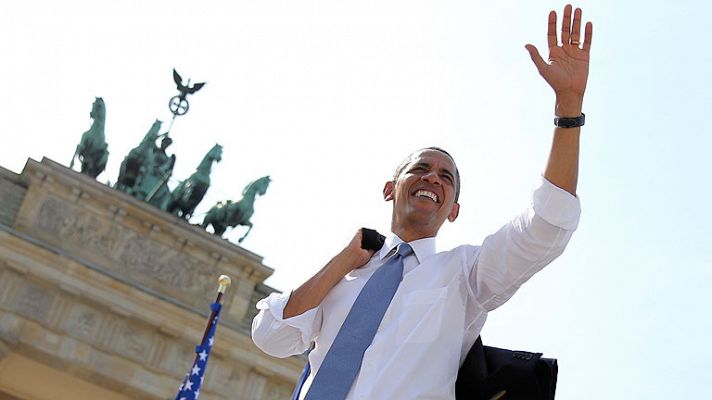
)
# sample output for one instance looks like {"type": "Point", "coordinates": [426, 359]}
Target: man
{"type": "Point", "coordinates": [440, 305]}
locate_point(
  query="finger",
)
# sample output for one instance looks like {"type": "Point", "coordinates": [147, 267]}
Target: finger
{"type": "Point", "coordinates": [566, 25]}
{"type": "Point", "coordinates": [588, 36]}
{"type": "Point", "coordinates": [551, 31]}
{"type": "Point", "coordinates": [357, 239]}
{"type": "Point", "coordinates": [576, 28]}
{"type": "Point", "coordinates": [536, 57]}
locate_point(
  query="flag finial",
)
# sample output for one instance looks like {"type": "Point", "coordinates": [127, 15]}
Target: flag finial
{"type": "Point", "coordinates": [224, 282]}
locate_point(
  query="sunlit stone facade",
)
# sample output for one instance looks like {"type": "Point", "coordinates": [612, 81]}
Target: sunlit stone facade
{"type": "Point", "coordinates": [103, 296]}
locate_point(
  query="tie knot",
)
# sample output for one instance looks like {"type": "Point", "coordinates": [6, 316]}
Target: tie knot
{"type": "Point", "coordinates": [404, 250]}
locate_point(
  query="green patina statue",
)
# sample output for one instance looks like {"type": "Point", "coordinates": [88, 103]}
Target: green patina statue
{"type": "Point", "coordinates": [92, 149]}
{"type": "Point", "coordinates": [155, 184]}
{"type": "Point", "coordinates": [137, 163]}
{"type": "Point", "coordinates": [146, 169]}
{"type": "Point", "coordinates": [190, 192]}
{"type": "Point", "coordinates": [233, 214]}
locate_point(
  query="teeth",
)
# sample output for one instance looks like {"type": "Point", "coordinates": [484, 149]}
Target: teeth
{"type": "Point", "coordinates": [425, 193]}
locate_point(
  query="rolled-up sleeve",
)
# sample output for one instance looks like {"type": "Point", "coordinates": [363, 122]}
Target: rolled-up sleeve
{"type": "Point", "coordinates": [280, 337]}
{"type": "Point", "coordinates": [524, 246]}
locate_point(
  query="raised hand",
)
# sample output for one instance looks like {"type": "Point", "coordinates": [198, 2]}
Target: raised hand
{"type": "Point", "coordinates": [567, 69]}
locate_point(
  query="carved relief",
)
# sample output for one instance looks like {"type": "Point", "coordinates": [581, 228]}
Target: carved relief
{"type": "Point", "coordinates": [79, 228]}
{"type": "Point", "coordinates": [32, 301]}
{"type": "Point", "coordinates": [177, 358]}
{"type": "Point", "coordinates": [83, 322]}
{"type": "Point", "coordinates": [142, 258]}
{"type": "Point", "coordinates": [52, 218]}
{"type": "Point", "coordinates": [134, 344]}
{"type": "Point", "coordinates": [164, 264]}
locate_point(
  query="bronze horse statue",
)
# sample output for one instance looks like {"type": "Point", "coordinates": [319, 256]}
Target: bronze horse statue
{"type": "Point", "coordinates": [190, 192]}
{"type": "Point", "coordinates": [136, 164]}
{"type": "Point", "coordinates": [236, 213]}
{"type": "Point", "coordinates": [92, 149]}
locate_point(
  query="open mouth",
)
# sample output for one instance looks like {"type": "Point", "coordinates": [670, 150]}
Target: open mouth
{"type": "Point", "coordinates": [427, 194]}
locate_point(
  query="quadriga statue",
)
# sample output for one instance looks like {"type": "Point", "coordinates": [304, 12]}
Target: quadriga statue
{"type": "Point", "coordinates": [92, 151]}
{"type": "Point", "coordinates": [237, 213]}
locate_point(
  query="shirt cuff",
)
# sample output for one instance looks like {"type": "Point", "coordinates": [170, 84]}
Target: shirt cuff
{"type": "Point", "coordinates": [556, 206]}
{"type": "Point", "coordinates": [275, 303]}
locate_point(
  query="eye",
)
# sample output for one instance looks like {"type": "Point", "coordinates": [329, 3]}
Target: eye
{"type": "Point", "coordinates": [416, 168]}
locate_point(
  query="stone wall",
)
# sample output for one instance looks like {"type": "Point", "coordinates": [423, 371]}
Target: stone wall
{"type": "Point", "coordinates": [12, 191]}
{"type": "Point", "coordinates": [102, 289]}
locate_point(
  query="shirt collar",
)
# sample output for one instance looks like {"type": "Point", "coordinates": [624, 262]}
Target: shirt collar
{"type": "Point", "coordinates": [423, 248]}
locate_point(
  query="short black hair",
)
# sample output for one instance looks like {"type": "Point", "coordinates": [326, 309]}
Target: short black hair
{"type": "Point", "coordinates": [407, 160]}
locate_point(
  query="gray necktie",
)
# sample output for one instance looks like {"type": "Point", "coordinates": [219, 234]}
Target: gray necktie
{"type": "Point", "coordinates": [343, 361]}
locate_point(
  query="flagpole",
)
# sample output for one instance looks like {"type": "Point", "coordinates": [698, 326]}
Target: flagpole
{"type": "Point", "coordinates": [223, 283]}
{"type": "Point", "coordinates": [187, 391]}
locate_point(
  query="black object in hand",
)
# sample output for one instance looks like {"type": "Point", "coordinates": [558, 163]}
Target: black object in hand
{"type": "Point", "coordinates": [371, 239]}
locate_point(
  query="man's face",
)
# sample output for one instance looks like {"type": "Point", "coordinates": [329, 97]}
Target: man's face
{"type": "Point", "coordinates": [423, 195]}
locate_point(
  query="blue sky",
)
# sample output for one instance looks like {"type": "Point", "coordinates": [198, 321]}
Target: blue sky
{"type": "Point", "coordinates": [327, 97]}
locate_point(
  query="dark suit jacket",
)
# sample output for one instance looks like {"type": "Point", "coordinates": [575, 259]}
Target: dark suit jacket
{"type": "Point", "coordinates": [490, 373]}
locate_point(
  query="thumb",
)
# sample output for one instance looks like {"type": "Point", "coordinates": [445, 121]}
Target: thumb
{"type": "Point", "coordinates": [536, 58]}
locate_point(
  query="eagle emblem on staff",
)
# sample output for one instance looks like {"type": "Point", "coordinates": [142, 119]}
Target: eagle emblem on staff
{"type": "Point", "coordinates": [179, 104]}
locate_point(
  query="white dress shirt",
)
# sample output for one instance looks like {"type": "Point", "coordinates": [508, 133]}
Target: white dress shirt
{"type": "Point", "coordinates": [438, 310]}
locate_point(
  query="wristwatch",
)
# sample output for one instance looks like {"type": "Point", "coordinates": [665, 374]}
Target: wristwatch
{"type": "Point", "coordinates": [570, 122]}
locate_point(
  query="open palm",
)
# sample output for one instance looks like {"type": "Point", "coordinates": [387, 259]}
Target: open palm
{"type": "Point", "coordinates": [567, 69]}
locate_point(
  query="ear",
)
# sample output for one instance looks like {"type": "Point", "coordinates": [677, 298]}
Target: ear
{"type": "Point", "coordinates": [388, 189]}
{"type": "Point", "coordinates": [454, 212]}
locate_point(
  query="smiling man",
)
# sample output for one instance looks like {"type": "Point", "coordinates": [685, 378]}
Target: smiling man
{"type": "Point", "coordinates": [426, 193]}
{"type": "Point", "coordinates": [397, 323]}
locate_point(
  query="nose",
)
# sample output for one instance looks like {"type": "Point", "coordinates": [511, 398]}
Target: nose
{"type": "Point", "coordinates": [431, 177]}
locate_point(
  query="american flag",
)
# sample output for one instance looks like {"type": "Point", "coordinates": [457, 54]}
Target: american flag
{"type": "Point", "coordinates": [190, 388]}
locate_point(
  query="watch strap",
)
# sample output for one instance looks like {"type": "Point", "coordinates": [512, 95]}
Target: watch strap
{"type": "Point", "coordinates": [566, 122]}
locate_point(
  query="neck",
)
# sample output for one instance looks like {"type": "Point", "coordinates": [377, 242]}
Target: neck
{"type": "Point", "coordinates": [410, 229]}
{"type": "Point", "coordinates": [409, 234]}
{"type": "Point", "coordinates": [250, 194]}
{"type": "Point", "coordinates": [205, 165]}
